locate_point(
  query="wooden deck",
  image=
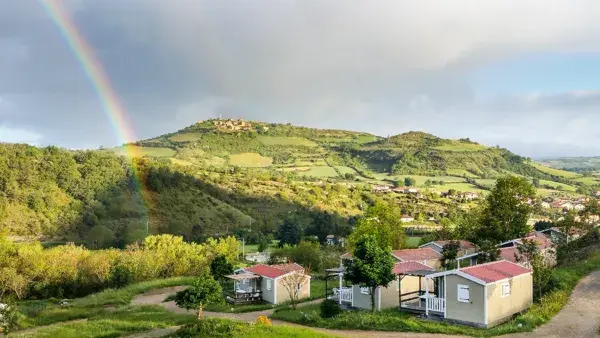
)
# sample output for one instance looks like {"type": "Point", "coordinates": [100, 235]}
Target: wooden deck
{"type": "Point", "coordinates": [237, 298]}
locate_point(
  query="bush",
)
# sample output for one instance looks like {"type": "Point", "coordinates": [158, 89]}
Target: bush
{"type": "Point", "coordinates": [330, 308]}
{"type": "Point", "coordinates": [211, 327]}
{"type": "Point", "coordinates": [263, 320]}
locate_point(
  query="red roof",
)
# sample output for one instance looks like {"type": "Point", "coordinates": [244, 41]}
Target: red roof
{"type": "Point", "coordinates": [273, 271]}
{"type": "Point", "coordinates": [463, 244]}
{"type": "Point", "coordinates": [347, 255]}
{"type": "Point", "coordinates": [495, 271]}
{"type": "Point", "coordinates": [509, 253]}
{"type": "Point", "coordinates": [420, 254]}
{"type": "Point", "coordinates": [405, 267]}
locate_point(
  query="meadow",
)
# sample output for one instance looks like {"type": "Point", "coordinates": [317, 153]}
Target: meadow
{"type": "Point", "coordinates": [555, 172]}
{"type": "Point", "coordinates": [249, 160]}
{"type": "Point", "coordinates": [144, 151]}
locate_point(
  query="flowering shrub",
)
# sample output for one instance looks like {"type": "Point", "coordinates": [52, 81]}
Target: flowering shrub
{"type": "Point", "coordinates": [8, 318]}
{"type": "Point", "coordinates": [263, 320]}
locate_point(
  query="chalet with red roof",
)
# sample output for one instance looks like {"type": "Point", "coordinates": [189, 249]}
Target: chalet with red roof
{"type": "Point", "coordinates": [267, 283]}
{"type": "Point", "coordinates": [482, 295]}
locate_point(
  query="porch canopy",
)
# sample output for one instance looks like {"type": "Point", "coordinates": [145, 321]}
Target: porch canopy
{"type": "Point", "coordinates": [243, 276]}
{"type": "Point", "coordinates": [334, 272]}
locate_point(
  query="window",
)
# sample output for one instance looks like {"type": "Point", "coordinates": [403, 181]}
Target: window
{"type": "Point", "coordinates": [365, 291]}
{"type": "Point", "coordinates": [462, 293]}
{"type": "Point", "coordinates": [505, 290]}
{"type": "Point", "coordinates": [269, 286]}
{"type": "Point", "coordinates": [245, 281]}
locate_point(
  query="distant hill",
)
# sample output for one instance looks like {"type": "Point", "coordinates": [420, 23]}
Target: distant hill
{"type": "Point", "coordinates": [576, 164]}
{"type": "Point", "coordinates": [340, 154]}
{"type": "Point", "coordinates": [217, 177]}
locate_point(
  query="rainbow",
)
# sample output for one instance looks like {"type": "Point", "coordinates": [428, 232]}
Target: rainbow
{"type": "Point", "coordinates": [98, 78]}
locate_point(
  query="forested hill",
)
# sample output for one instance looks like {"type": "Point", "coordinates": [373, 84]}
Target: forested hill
{"type": "Point", "coordinates": [218, 176]}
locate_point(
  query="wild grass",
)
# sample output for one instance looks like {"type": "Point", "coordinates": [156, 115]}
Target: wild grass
{"type": "Point", "coordinates": [250, 160]}
{"type": "Point", "coordinates": [346, 170]}
{"type": "Point", "coordinates": [226, 328]}
{"type": "Point", "coordinates": [460, 146]}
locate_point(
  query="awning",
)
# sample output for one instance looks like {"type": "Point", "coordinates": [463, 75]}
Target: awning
{"type": "Point", "coordinates": [243, 276]}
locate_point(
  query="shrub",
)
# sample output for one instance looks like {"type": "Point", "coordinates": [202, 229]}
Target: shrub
{"type": "Point", "coordinates": [211, 327]}
{"type": "Point", "coordinates": [330, 308]}
{"type": "Point", "coordinates": [263, 320]}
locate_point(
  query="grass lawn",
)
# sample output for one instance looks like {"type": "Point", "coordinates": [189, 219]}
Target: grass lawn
{"type": "Point", "coordinates": [123, 321]}
{"type": "Point", "coordinates": [143, 151]}
{"type": "Point", "coordinates": [320, 172]}
{"type": "Point", "coordinates": [250, 160]}
{"type": "Point", "coordinates": [462, 187]}
{"type": "Point", "coordinates": [186, 137]}
{"type": "Point", "coordinates": [555, 172]}
{"type": "Point", "coordinates": [286, 141]}
{"type": "Point", "coordinates": [588, 180]}
{"type": "Point", "coordinates": [393, 320]}
{"type": "Point", "coordinates": [413, 242]}
{"type": "Point", "coordinates": [346, 170]}
{"type": "Point", "coordinates": [460, 173]}
{"type": "Point", "coordinates": [216, 327]}
{"type": "Point", "coordinates": [420, 180]}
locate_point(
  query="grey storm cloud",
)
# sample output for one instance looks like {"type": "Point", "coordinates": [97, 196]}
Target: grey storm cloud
{"type": "Point", "coordinates": [384, 67]}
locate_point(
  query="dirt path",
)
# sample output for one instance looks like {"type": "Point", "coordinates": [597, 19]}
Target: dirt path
{"type": "Point", "coordinates": [579, 318]}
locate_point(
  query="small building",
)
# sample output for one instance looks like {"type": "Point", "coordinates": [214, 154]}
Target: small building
{"type": "Point", "coordinates": [482, 295]}
{"type": "Point", "coordinates": [545, 205]}
{"type": "Point", "coordinates": [258, 257]}
{"type": "Point", "coordinates": [266, 283]}
{"type": "Point", "coordinates": [330, 240]}
{"type": "Point", "coordinates": [406, 219]}
{"type": "Point", "coordinates": [465, 247]}
{"type": "Point", "coordinates": [381, 188]}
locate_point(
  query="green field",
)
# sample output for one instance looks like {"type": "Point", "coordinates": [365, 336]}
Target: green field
{"type": "Point", "coordinates": [286, 141]}
{"type": "Point", "coordinates": [588, 180]}
{"type": "Point", "coordinates": [413, 242]}
{"type": "Point", "coordinates": [250, 160]}
{"type": "Point", "coordinates": [555, 172]}
{"type": "Point", "coordinates": [486, 182]}
{"type": "Point", "coordinates": [346, 170]}
{"type": "Point", "coordinates": [460, 147]}
{"type": "Point", "coordinates": [420, 180]}
{"type": "Point", "coordinates": [565, 187]}
{"type": "Point", "coordinates": [460, 173]}
{"type": "Point", "coordinates": [463, 187]}
{"type": "Point", "coordinates": [186, 137]}
{"type": "Point", "coordinates": [320, 171]}
{"type": "Point", "coordinates": [143, 151]}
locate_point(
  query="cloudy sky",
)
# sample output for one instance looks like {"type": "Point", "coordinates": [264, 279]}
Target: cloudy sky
{"type": "Point", "coordinates": [520, 74]}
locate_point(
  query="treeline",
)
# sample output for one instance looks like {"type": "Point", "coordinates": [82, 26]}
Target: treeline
{"type": "Point", "coordinates": [28, 271]}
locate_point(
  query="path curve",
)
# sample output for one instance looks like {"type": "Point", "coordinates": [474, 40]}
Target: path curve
{"type": "Point", "coordinates": [579, 318]}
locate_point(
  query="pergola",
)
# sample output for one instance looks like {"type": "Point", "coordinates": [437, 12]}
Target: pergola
{"type": "Point", "coordinates": [421, 274]}
{"type": "Point", "coordinates": [242, 276]}
{"type": "Point", "coordinates": [333, 272]}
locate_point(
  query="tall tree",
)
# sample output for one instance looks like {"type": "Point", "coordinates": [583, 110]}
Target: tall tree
{"type": "Point", "coordinates": [507, 209]}
{"type": "Point", "coordinates": [220, 267]}
{"type": "Point", "coordinates": [449, 253]}
{"type": "Point", "coordinates": [289, 232]}
{"type": "Point", "coordinates": [371, 265]}
{"type": "Point", "coordinates": [409, 181]}
{"type": "Point", "coordinates": [383, 221]}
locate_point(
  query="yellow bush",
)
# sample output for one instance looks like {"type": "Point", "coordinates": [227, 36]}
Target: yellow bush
{"type": "Point", "coordinates": [263, 320]}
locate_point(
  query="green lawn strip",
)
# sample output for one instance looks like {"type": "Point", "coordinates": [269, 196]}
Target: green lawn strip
{"type": "Point", "coordinates": [393, 320]}
{"type": "Point", "coordinates": [125, 295]}
{"type": "Point", "coordinates": [413, 242]}
{"type": "Point", "coordinates": [218, 327]}
{"type": "Point", "coordinates": [46, 312]}
{"type": "Point", "coordinates": [116, 323]}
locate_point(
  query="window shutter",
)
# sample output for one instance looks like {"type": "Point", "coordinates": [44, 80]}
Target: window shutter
{"type": "Point", "coordinates": [505, 289]}
{"type": "Point", "coordinates": [462, 293]}
{"type": "Point", "coordinates": [269, 286]}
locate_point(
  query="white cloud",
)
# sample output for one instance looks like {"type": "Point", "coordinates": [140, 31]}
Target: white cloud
{"type": "Point", "coordinates": [18, 135]}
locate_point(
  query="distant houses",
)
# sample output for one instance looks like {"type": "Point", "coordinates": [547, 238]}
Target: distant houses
{"type": "Point", "coordinates": [406, 219]}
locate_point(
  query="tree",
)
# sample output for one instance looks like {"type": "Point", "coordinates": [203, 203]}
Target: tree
{"type": "Point", "coordinates": [220, 267]}
{"type": "Point", "coordinates": [542, 225]}
{"type": "Point", "coordinates": [289, 232]}
{"type": "Point", "coordinates": [383, 221]}
{"type": "Point", "coordinates": [409, 181]}
{"type": "Point", "coordinates": [100, 237]}
{"type": "Point", "coordinates": [488, 252]}
{"type": "Point", "coordinates": [506, 210]}
{"type": "Point", "coordinates": [536, 182]}
{"type": "Point", "coordinates": [371, 265]}
{"type": "Point", "coordinates": [529, 253]}
{"type": "Point", "coordinates": [205, 290]}
{"type": "Point", "coordinates": [449, 253]}
{"type": "Point", "coordinates": [293, 284]}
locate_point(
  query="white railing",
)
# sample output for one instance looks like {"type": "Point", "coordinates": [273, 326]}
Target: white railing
{"type": "Point", "coordinates": [345, 294]}
{"type": "Point", "coordinates": [436, 304]}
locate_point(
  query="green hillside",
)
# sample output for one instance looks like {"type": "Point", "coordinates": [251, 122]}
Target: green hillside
{"type": "Point", "coordinates": [218, 176]}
